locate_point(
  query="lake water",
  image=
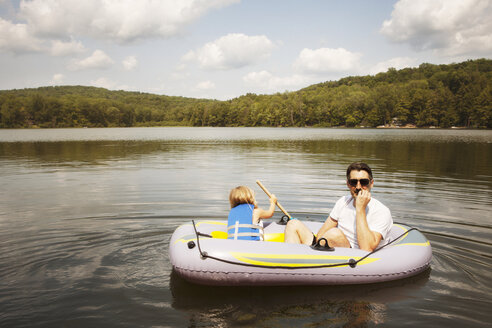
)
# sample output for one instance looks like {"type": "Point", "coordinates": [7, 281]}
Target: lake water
{"type": "Point", "coordinates": [86, 216]}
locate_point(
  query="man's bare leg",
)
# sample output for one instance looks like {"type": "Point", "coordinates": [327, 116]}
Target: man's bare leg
{"type": "Point", "coordinates": [296, 232]}
{"type": "Point", "coordinates": [336, 238]}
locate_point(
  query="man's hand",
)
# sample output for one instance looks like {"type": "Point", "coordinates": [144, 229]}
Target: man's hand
{"type": "Point", "coordinates": [363, 198]}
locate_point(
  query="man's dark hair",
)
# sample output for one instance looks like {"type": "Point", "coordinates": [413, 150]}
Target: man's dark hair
{"type": "Point", "coordinates": [359, 166]}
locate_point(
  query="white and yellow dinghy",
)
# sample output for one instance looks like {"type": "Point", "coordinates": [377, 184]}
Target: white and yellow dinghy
{"type": "Point", "coordinates": [200, 253]}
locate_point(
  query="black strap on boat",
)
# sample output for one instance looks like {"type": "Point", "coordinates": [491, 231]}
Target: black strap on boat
{"type": "Point", "coordinates": [352, 262]}
{"type": "Point", "coordinates": [325, 247]}
{"type": "Point", "coordinates": [283, 220]}
{"type": "Point", "coordinates": [203, 234]}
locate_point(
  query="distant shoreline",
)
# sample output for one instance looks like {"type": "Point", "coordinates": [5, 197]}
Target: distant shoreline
{"type": "Point", "coordinates": [430, 96]}
{"type": "Point", "coordinates": [393, 127]}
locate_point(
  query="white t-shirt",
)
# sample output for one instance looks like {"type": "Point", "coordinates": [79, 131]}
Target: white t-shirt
{"type": "Point", "coordinates": [378, 219]}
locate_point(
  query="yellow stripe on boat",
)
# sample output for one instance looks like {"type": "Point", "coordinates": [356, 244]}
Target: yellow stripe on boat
{"type": "Point", "coordinates": [296, 260]}
{"type": "Point", "coordinates": [276, 237]}
{"type": "Point", "coordinates": [219, 234]}
{"type": "Point", "coordinates": [404, 229]}
{"type": "Point", "coordinates": [427, 243]}
{"type": "Point", "coordinates": [401, 243]}
{"type": "Point", "coordinates": [182, 240]}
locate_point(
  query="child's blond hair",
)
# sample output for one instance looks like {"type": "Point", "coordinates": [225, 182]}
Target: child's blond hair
{"type": "Point", "coordinates": [241, 195]}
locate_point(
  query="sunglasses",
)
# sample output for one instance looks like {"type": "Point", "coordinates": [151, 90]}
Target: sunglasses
{"type": "Point", "coordinates": [363, 182]}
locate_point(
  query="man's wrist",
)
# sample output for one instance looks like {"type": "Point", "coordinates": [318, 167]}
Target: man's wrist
{"type": "Point", "coordinates": [360, 211]}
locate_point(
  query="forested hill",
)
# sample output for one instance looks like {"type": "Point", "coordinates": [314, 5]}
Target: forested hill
{"type": "Point", "coordinates": [430, 95]}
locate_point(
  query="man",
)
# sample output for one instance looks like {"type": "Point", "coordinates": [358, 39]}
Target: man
{"type": "Point", "coordinates": [356, 221]}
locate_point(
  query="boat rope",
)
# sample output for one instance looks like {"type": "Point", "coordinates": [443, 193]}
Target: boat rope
{"type": "Point", "coordinates": [352, 262]}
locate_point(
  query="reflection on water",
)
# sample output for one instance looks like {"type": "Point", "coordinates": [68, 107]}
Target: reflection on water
{"type": "Point", "coordinates": [206, 134]}
{"type": "Point", "coordinates": [86, 216]}
{"type": "Point", "coordinates": [352, 306]}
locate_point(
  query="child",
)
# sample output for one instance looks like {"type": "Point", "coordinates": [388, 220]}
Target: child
{"type": "Point", "coordinates": [244, 218]}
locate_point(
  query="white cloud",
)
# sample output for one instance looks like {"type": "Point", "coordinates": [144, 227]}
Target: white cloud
{"type": "Point", "coordinates": [44, 25]}
{"type": "Point", "coordinates": [188, 57]}
{"type": "Point", "coordinates": [231, 51]}
{"type": "Point", "coordinates": [17, 38]}
{"type": "Point", "coordinates": [258, 77]}
{"type": "Point", "coordinates": [98, 60]}
{"type": "Point", "coordinates": [326, 60]}
{"type": "Point", "coordinates": [57, 79]}
{"type": "Point", "coordinates": [267, 80]}
{"type": "Point", "coordinates": [452, 27]}
{"type": "Point", "coordinates": [103, 82]}
{"type": "Point", "coordinates": [129, 63]}
{"type": "Point", "coordinates": [60, 48]}
{"type": "Point", "coordinates": [106, 83]}
{"type": "Point", "coordinates": [118, 20]}
{"type": "Point", "coordinates": [205, 85]}
{"type": "Point", "coordinates": [397, 63]}
{"type": "Point", "coordinates": [180, 75]}
{"type": "Point", "coordinates": [180, 68]}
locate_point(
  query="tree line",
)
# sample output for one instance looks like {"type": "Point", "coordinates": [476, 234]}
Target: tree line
{"type": "Point", "coordinates": [430, 95]}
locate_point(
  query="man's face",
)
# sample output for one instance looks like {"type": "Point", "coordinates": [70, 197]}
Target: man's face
{"type": "Point", "coordinates": [359, 180]}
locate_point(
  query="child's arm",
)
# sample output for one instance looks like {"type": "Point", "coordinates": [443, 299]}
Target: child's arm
{"type": "Point", "coordinates": [260, 213]}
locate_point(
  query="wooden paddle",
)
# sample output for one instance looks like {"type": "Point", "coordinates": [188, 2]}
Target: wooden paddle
{"type": "Point", "coordinates": [270, 196]}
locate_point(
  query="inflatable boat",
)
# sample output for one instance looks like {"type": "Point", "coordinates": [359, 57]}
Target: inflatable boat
{"type": "Point", "coordinates": [201, 253]}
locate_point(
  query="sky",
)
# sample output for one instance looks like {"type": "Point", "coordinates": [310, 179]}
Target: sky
{"type": "Point", "coordinates": [222, 49]}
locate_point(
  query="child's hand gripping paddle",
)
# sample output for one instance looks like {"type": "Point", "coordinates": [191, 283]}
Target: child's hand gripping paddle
{"type": "Point", "coordinates": [270, 196]}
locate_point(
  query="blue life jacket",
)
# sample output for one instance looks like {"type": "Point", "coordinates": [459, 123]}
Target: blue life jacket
{"type": "Point", "coordinates": [240, 223]}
